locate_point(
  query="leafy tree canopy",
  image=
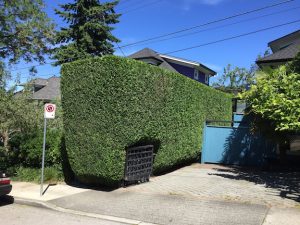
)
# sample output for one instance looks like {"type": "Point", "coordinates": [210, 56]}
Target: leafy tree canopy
{"type": "Point", "coordinates": [235, 79]}
{"type": "Point", "coordinates": [276, 98]}
{"type": "Point", "coordinates": [295, 64]}
{"type": "Point", "coordinates": [25, 30]}
{"type": "Point", "coordinates": [17, 115]}
{"type": "Point", "coordinates": [89, 32]}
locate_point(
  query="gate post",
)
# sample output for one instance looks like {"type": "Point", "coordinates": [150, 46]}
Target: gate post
{"type": "Point", "coordinates": [203, 144]}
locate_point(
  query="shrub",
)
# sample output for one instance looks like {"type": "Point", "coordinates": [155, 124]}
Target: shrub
{"type": "Point", "coordinates": [112, 103]}
{"type": "Point", "coordinates": [27, 148]}
{"type": "Point", "coordinates": [51, 174]}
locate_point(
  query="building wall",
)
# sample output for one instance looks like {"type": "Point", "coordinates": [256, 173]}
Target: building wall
{"type": "Point", "coordinates": [189, 72]}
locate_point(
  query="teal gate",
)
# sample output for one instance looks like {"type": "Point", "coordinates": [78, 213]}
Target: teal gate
{"type": "Point", "coordinates": [234, 144]}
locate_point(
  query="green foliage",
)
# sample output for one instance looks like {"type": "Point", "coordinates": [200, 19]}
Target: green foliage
{"type": "Point", "coordinates": [17, 115]}
{"type": "Point", "coordinates": [25, 30]}
{"type": "Point", "coordinates": [295, 64]}
{"type": "Point", "coordinates": [4, 76]}
{"type": "Point", "coordinates": [28, 148]}
{"type": "Point", "coordinates": [112, 103]}
{"type": "Point", "coordinates": [276, 97]}
{"type": "Point", "coordinates": [89, 32]}
{"type": "Point", "coordinates": [51, 174]}
{"type": "Point", "coordinates": [21, 131]}
{"type": "Point", "coordinates": [235, 79]}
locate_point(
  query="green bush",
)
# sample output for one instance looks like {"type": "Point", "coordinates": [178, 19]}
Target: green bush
{"type": "Point", "coordinates": [27, 148]}
{"type": "Point", "coordinates": [112, 103]}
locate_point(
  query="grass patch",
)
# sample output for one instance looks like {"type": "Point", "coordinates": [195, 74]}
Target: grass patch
{"type": "Point", "coordinates": [51, 174]}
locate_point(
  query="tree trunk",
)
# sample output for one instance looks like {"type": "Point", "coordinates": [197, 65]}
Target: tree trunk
{"type": "Point", "coordinates": [5, 136]}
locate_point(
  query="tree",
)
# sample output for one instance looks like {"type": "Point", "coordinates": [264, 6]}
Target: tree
{"type": "Point", "coordinates": [25, 30]}
{"type": "Point", "coordinates": [235, 79]}
{"type": "Point", "coordinates": [89, 33]}
{"type": "Point", "coordinates": [274, 101]}
{"type": "Point", "coordinates": [295, 64]}
{"type": "Point", "coordinates": [276, 97]}
{"type": "Point", "coordinates": [26, 33]}
{"type": "Point", "coordinates": [17, 115]}
{"type": "Point", "coordinates": [4, 76]}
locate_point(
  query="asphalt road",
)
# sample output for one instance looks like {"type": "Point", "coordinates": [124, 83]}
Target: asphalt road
{"type": "Point", "coordinates": [14, 214]}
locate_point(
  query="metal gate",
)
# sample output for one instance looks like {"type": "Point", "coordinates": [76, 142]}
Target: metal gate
{"type": "Point", "coordinates": [138, 165]}
{"type": "Point", "coordinates": [232, 143]}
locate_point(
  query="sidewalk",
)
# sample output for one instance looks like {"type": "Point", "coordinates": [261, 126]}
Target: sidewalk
{"type": "Point", "coordinates": [31, 191]}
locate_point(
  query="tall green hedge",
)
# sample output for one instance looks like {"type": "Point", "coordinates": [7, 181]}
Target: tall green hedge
{"type": "Point", "coordinates": [111, 103]}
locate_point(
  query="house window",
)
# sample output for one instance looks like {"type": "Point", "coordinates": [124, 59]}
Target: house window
{"type": "Point", "coordinates": [196, 74]}
{"type": "Point", "coordinates": [206, 78]}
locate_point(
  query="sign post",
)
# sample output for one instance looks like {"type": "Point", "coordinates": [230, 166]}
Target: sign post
{"type": "Point", "coordinates": [49, 113]}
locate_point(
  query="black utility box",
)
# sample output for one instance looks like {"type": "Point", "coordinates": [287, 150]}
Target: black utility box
{"type": "Point", "coordinates": [138, 165]}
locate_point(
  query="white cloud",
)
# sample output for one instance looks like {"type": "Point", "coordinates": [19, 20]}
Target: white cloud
{"type": "Point", "coordinates": [211, 2]}
{"type": "Point", "coordinates": [188, 4]}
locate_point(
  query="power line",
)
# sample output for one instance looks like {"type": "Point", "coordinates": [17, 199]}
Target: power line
{"type": "Point", "coordinates": [128, 11]}
{"type": "Point", "coordinates": [169, 34]}
{"type": "Point", "coordinates": [233, 37]}
{"type": "Point", "coordinates": [229, 38]}
{"type": "Point", "coordinates": [221, 26]}
{"type": "Point", "coordinates": [123, 1]}
{"type": "Point", "coordinates": [112, 35]}
{"type": "Point", "coordinates": [121, 50]}
{"type": "Point", "coordinates": [208, 23]}
{"type": "Point", "coordinates": [142, 6]}
{"type": "Point", "coordinates": [36, 65]}
{"type": "Point", "coordinates": [127, 6]}
{"type": "Point", "coordinates": [36, 76]}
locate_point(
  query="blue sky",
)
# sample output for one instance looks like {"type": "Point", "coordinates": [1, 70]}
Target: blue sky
{"type": "Point", "coordinates": [148, 18]}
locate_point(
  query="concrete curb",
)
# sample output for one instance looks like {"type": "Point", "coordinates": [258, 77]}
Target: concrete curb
{"type": "Point", "coordinates": [47, 205]}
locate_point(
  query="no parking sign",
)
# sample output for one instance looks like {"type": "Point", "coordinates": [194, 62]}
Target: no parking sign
{"type": "Point", "coordinates": [49, 111]}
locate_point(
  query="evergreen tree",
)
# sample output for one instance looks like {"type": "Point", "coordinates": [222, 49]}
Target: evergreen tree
{"type": "Point", "coordinates": [89, 31]}
{"type": "Point", "coordinates": [25, 30]}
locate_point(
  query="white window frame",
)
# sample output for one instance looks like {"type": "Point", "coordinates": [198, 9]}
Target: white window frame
{"type": "Point", "coordinates": [196, 74]}
{"type": "Point", "coordinates": [206, 78]}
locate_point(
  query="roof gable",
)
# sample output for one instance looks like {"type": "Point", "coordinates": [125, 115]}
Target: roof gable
{"type": "Point", "coordinates": [284, 54]}
{"type": "Point", "coordinates": [165, 59]}
{"type": "Point", "coordinates": [50, 91]}
{"type": "Point", "coordinates": [282, 42]}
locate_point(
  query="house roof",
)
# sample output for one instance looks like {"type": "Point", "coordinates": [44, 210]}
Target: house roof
{"type": "Point", "coordinates": [146, 53]}
{"type": "Point", "coordinates": [163, 59]}
{"type": "Point", "coordinates": [40, 81]}
{"type": "Point", "coordinates": [50, 91]}
{"type": "Point", "coordinates": [50, 88]}
{"type": "Point", "coordinates": [295, 33]}
{"type": "Point", "coordinates": [282, 55]}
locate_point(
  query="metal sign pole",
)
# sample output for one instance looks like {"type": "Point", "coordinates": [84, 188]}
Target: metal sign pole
{"type": "Point", "coordinates": [43, 157]}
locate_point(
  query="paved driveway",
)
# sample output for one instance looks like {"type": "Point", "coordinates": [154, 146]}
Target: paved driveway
{"type": "Point", "coordinates": [223, 183]}
{"type": "Point", "coordinates": [164, 209]}
{"type": "Point", "coordinates": [197, 194]}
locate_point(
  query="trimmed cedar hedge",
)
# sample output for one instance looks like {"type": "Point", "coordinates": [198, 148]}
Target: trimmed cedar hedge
{"type": "Point", "coordinates": [111, 103]}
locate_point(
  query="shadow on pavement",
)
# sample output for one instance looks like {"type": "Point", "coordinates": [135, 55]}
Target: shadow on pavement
{"type": "Point", "coordinates": [46, 189]}
{"type": "Point", "coordinates": [287, 183]}
{"type": "Point", "coordinates": [77, 184]}
{"type": "Point", "coordinates": [6, 200]}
